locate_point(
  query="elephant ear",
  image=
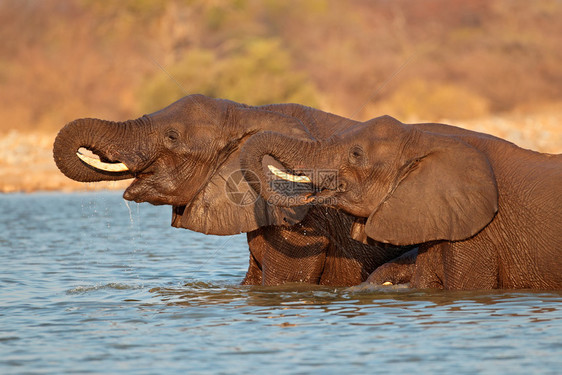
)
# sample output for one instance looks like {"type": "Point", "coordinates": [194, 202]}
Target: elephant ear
{"type": "Point", "coordinates": [227, 204]}
{"type": "Point", "coordinates": [448, 193]}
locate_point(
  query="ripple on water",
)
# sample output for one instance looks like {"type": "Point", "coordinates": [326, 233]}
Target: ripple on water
{"type": "Point", "coordinates": [111, 286]}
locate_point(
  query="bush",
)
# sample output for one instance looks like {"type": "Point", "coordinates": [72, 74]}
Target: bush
{"type": "Point", "coordinates": [259, 72]}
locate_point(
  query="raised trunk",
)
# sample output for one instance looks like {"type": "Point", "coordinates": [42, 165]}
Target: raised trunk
{"type": "Point", "coordinates": [282, 187]}
{"type": "Point", "coordinates": [111, 141]}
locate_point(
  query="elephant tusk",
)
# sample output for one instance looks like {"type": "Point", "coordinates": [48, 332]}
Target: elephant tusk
{"type": "Point", "coordinates": [287, 176]}
{"type": "Point", "coordinates": [98, 164]}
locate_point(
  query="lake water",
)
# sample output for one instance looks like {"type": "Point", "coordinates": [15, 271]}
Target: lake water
{"type": "Point", "coordinates": [89, 284]}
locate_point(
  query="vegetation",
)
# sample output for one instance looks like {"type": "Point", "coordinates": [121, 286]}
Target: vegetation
{"type": "Point", "coordinates": [63, 59]}
{"type": "Point", "coordinates": [259, 73]}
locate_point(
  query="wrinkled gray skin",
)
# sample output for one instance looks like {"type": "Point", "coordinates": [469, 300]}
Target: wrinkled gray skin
{"type": "Point", "coordinates": [485, 213]}
{"type": "Point", "coordinates": [187, 156]}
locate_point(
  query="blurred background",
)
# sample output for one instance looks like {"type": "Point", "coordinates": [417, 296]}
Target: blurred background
{"type": "Point", "coordinates": [489, 65]}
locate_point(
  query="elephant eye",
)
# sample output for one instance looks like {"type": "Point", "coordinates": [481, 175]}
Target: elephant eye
{"type": "Point", "coordinates": [356, 154]}
{"type": "Point", "coordinates": [172, 135]}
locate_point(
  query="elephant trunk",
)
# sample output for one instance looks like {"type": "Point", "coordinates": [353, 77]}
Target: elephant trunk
{"type": "Point", "coordinates": [109, 140]}
{"type": "Point", "coordinates": [281, 188]}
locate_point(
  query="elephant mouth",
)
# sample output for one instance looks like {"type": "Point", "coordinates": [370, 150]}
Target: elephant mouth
{"type": "Point", "coordinates": [100, 162]}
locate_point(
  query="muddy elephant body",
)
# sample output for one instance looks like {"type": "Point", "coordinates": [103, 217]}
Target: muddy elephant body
{"type": "Point", "coordinates": [187, 156]}
{"type": "Point", "coordinates": [484, 212]}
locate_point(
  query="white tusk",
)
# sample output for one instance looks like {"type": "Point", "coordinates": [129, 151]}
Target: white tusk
{"type": "Point", "coordinates": [287, 176]}
{"type": "Point", "coordinates": [98, 164]}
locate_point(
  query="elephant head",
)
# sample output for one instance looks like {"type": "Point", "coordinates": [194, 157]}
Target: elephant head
{"type": "Point", "coordinates": [185, 155]}
{"type": "Point", "coordinates": [412, 185]}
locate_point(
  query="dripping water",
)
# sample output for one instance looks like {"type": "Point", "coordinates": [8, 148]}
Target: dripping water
{"type": "Point", "coordinates": [130, 211]}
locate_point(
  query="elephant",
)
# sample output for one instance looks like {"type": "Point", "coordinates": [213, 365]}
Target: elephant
{"type": "Point", "coordinates": [187, 155]}
{"type": "Point", "coordinates": [485, 213]}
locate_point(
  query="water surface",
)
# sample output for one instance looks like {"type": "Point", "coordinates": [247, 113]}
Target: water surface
{"type": "Point", "coordinates": [89, 284]}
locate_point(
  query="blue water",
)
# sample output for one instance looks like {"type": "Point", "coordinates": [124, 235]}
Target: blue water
{"type": "Point", "coordinates": [89, 284]}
